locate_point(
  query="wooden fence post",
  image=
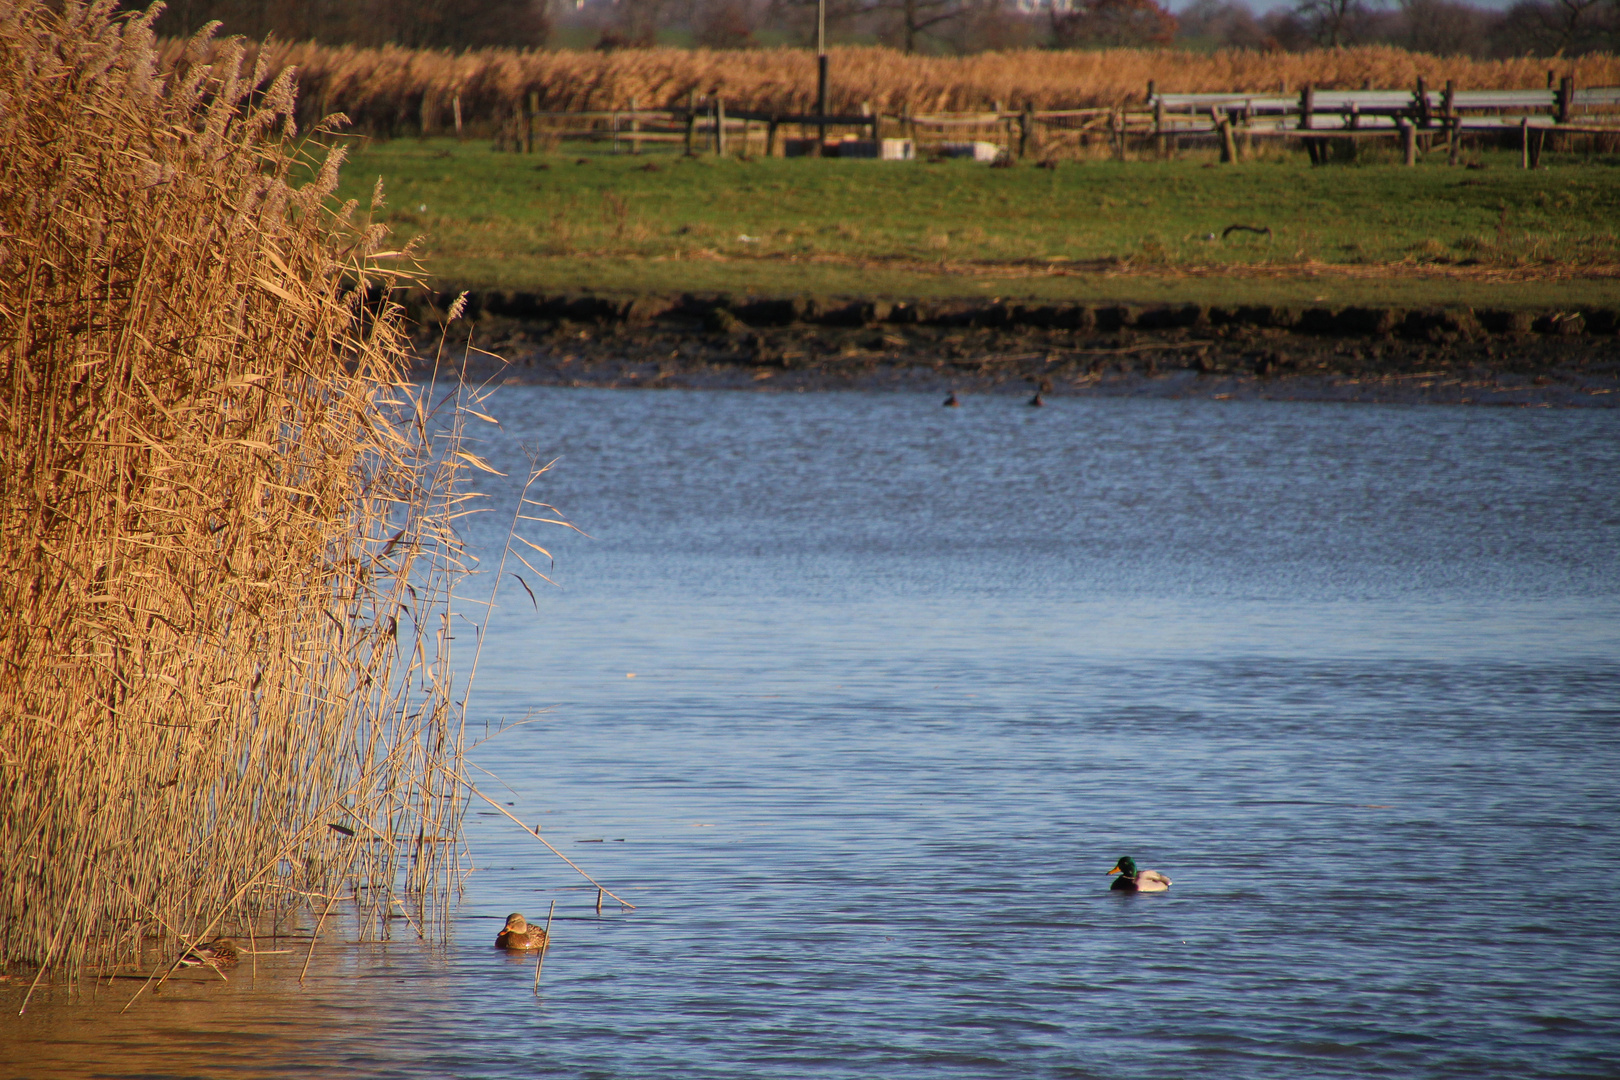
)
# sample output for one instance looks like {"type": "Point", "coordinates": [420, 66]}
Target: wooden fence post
{"type": "Point", "coordinates": [528, 131]}
{"type": "Point", "coordinates": [1223, 123]}
{"type": "Point", "coordinates": [1524, 142]}
{"type": "Point", "coordinates": [1027, 142]}
{"type": "Point", "coordinates": [635, 129]}
{"type": "Point", "coordinates": [1421, 99]}
{"type": "Point", "coordinates": [1449, 106]}
{"type": "Point", "coordinates": [456, 102]}
{"type": "Point", "coordinates": [691, 123]}
{"type": "Point", "coordinates": [1564, 100]}
{"type": "Point", "coordinates": [1408, 140]}
{"type": "Point", "coordinates": [719, 126]}
{"type": "Point", "coordinates": [770, 137]}
{"type": "Point", "coordinates": [1307, 109]}
{"type": "Point", "coordinates": [429, 113]}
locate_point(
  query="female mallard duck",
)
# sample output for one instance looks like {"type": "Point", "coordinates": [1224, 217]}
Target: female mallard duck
{"type": "Point", "coordinates": [518, 934]}
{"type": "Point", "coordinates": [1133, 880]}
{"type": "Point", "coordinates": [221, 952]}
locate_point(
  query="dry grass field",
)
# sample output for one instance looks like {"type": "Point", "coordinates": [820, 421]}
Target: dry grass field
{"type": "Point", "coordinates": [393, 91]}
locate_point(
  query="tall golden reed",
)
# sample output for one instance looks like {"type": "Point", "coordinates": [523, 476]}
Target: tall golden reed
{"type": "Point", "coordinates": [390, 90]}
{"type": "Point", "coordinates": [225, 552]}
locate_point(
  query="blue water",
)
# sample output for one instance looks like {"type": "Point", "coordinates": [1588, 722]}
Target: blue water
{"type": "Point", "coordinates": [861, 697]}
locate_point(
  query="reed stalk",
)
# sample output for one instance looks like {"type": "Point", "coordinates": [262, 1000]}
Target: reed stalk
{"type": "Point", "coordinates": [227, 553]}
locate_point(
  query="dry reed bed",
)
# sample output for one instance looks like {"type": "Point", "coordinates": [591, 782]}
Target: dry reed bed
{"type": "Point", "coordinates": [225, 552]}
{"type": "Point", "coordinates": [389, 90]}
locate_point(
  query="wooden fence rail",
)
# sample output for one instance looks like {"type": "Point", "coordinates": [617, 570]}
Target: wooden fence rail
{"type": "Point", "coordinates": [1161, 123]}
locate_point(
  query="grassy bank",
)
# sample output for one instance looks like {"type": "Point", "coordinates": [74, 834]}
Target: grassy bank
{"type": "Point", "coordinates": [1373, 232]}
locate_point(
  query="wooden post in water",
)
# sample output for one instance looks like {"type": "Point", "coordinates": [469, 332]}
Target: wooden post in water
{"type": "Point", "coordinates": [691, 123]}
{"type": "Point", "coordinates": [456, 103]}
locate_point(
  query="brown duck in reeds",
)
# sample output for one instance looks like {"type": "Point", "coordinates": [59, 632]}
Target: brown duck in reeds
{"type": "Point", "coordinates": [1133, 880]}
{"type": "Point", "coordinates": [518, 934]}
{"type": "Point", "coordinates": [219, 953]}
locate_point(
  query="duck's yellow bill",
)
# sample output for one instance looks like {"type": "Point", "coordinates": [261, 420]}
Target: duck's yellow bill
{"type": "Point", "coordinates": [1115, 870]}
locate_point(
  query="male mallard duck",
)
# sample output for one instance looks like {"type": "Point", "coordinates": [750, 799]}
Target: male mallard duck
{"type": "Point", "coordinates": [1133, 880]}
{"type": "Point", "coordinates": [221, 952]}
{"type": "Point", "coordinates": [518, 934]}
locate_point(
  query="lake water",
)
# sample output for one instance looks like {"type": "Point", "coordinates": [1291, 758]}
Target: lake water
{"type": "Point", "coordinates": [907, 680]}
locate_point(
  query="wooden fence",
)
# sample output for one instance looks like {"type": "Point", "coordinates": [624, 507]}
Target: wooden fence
{"type": "Point", "coordinates": [1162, 124]}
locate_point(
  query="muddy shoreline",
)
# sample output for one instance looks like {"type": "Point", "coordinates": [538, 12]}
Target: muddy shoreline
{"type": "Point", "coordinates": [1511, 358]}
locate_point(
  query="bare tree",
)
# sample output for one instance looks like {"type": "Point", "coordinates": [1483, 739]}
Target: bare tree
{"type": "Point", "coordinates": [1335, 22]}
{"type": "Point", "coordinates": [430, 24]}
{"type": "Point", "coordinates": [1113, 24]}
{"type": "Point", "coordinates": [1551, 26]}
{"type": "Point", "coordinates": [1442, 27]}
{"type": "Point", "coordinates": [1220, 23]}
{"type": "Point", "coordinates": [920, 16]}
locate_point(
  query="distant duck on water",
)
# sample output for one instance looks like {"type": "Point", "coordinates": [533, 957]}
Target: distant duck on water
{"type": "Point", "coordinates": [951, 402]}
{"type": "Point", "coordinates": [518, 934]}
{"type": "Point", "coordinates": [1133, 880]}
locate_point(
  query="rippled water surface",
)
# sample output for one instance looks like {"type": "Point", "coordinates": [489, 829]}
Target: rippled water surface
{"type": "Point", "coordinates": [908, 680]}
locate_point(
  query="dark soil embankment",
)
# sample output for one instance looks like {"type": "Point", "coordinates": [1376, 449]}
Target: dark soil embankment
{"type": "Point", "coordinates": [1352, 354]}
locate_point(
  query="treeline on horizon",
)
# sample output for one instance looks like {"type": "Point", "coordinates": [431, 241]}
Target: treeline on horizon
{"type": "Point", "coordinates": [932, 27]}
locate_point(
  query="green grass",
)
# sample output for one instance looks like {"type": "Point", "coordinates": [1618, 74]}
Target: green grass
{"type": "Point", "coordinates": [1368, 232]}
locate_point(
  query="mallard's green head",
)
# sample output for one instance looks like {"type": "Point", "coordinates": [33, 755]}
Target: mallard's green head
{"type": "Point", "coordinates": [1126, 866]}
